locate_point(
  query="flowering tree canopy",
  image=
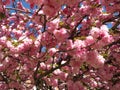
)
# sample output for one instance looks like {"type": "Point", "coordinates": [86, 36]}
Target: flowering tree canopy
{"type": "Point", "coordinates": [59, 44]}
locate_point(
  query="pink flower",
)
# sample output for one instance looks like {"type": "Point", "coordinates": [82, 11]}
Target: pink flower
{"type": "Point", "coordinates": [48, 40]}
{"type": "Point", "coordinates": [107, 39]}
{"type": "Point", "coordinates": [71, 2]}
{"type": "Point", "coordinates": [52, 51]}
{"type": "Point", "coordinates": [106, 72]}
{"type": "Point", "coordinates": [116, 56]}
{"type": "Point", "coordinates": [49, 10]}
{"type": "Point", "coordinates": [101, 36]}
{"type": "Point", "coordinates": [61, 35]}
{"type": "Point", "coordinates": [69, 45]}
{"type": "Point", "coordinates": [77, 86]}
{"type": "Point", "coordinates": [3, 40]}
{"type": "Point", "coordinates": [32, 2]}
{"type": "Point", "coordinates": [61, 75]}
{"type": "Point", "coordinates": [6, 2]}
{"type": "Point", "coordinates": [116, 86]}
{"type": "Point", "coordinates": [51, 27]}
{"type": "Point", "coordinates": [89, 40]}
{"type": "Point", "coordinates": [21, 48]}
{"type": "Point", "coordinates": [52, 81]}
{"type": "Point", "coordinates": [95, 59]}
{"type": "Point", "coordinates": [99, 32]}
{"type": "Point", "coordinates": [76, 63]}
{"type": "Point", "coordinates": [74, 85]}
{"type": "Point", "coordinates": [95, 32]}
{"type": "Point", "coordinates": [79, 52]}
{"type": "Point", "coordinates": [104, 28]}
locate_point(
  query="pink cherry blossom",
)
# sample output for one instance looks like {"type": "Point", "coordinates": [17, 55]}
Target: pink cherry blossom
{"type": "Point", "coordinates": [59, 44]}
{"type": "Point", "coordinates": [94, 57]}
{"type": "Point", "coordinates": [62, 32]}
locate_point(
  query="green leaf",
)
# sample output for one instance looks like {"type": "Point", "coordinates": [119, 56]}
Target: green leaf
{"type": "Point", "coordinates": [61, 23]}
{"type": "Point", "coordinates": [2, 15]}
{"type": "Point", "coordinates": [105, 55]}
{"type": "Point", "coordinates": [67, 27]}
{"type": "Point", "coordinates": [80, 38]}
{"type": "Point", "coordinates": [15, 43]}
{"type": "Point", "coordinates": [32, 37]}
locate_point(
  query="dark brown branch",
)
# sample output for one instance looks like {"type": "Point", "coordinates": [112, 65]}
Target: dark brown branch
{"type": "Point", "coordinates": [111, 19]}
{"type": "Point", "coordinates": [4, 77]}
{"type": "Point", "coordinates": [74, 30]}
{"type": "Point", "coordinates": [53, 69]}
{"type": "Point", "coordinates": [116, 24]}
{"type": "Point", "coordinates": [39, 9]}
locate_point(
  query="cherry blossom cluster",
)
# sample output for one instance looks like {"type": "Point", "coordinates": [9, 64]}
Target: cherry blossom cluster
{"type": "Point", "coordinates": [59, 45]}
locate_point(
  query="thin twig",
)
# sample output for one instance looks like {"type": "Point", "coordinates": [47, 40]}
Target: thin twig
{"type": "Point", "coordinates": [18, 10]}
